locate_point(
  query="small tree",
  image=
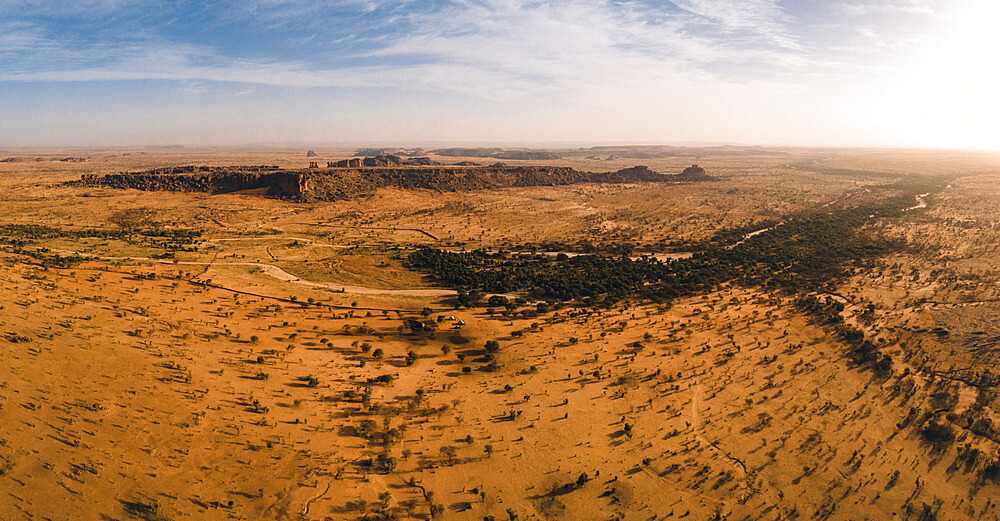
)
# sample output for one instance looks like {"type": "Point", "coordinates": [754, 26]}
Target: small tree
{"type": "Point", "coordinates": [386, 463]}
{"type": "Point", "coordinates": [367, 428]}
{"type": "Point", "coordinates": [496, 301]}
{"type": "Point", "coordinates": [449, 452]}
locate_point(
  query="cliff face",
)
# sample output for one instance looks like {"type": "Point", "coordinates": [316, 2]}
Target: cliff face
{"type": "Point", "coordinates": [189, 182]}
{"type": "Point", "coordinates": [346, 183]}
{"type": "Point", "coordinates": [290, 185]}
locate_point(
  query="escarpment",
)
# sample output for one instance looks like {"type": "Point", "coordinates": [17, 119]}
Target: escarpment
{"type": "Point", "coordinates": [355, 180]}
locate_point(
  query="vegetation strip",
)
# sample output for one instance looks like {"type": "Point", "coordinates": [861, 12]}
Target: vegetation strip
{"type": "Point", "coordinates": [805, 253]}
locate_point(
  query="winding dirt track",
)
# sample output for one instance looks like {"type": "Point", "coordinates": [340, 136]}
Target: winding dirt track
{"type": "Point", "coordinates": [283, 237]}
{"type": "Point", "coordinates": [280, 274]}
{"type": "Point", "coordinates": [695, 426]}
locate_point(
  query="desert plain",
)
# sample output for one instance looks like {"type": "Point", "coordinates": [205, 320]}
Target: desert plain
{"type": "Point", "coordinates": [170, 355]}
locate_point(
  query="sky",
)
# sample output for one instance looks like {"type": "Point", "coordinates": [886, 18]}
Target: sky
{"type": "Point", "coordinates": [915, 73]}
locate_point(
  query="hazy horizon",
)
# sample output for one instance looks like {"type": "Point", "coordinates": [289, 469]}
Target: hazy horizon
{"type": "Point", "coordinates": [430, 146]}
{"type": "Point", "coordinates": [111, 73]}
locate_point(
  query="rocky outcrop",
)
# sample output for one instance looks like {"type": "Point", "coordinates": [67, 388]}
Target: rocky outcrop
{"type": "Point", "coordinates": [345, 163]}
{"type": "Point", "coordinates": [498, 153]}
{"type": "Point", "coordinates": [40, 159]}
{"type": "Point", "coordinates": [354, 181]}
{"type": "Point", "coordinates": [380, 161]}
{"type": "Point", "coordinates": [363, 152]}
{"type": "Point", "coordinates": [693, 173]}
{"type": "Point", "coordinates": [210, 179]}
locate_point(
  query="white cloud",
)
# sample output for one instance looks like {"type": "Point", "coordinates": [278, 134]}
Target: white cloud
{"type": "Point", "coordinates": [760, 21]}
{"type": "Point", "coordinates": [639, 67]}
{"type": "Point", "coordinates": [508, 43]}
{"type": "Point", "coordinates": [924, 7]}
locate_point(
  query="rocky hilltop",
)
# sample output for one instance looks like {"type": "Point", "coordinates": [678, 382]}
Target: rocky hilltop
{"type": "Point", "coordinates": [355, 179]}
{"type": "Point", "coordinates": [498, 153]}
{"type": "Point", "coordinates": [380, 160]}
{"type": "Point", "coordinates": [694, 173]}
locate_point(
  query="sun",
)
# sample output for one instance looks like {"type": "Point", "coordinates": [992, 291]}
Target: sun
{"type": "Point", "coordinates": [976, 74]}
{"type": "Point", "coordinates": [947, 93]}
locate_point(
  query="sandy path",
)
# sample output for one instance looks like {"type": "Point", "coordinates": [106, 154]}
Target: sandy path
{"type": "Point", "coordinates": [273, 238]}
{"type": "Point", "coordinates": [695, 414]}
{"type": "Point", "coordinates": [280, 274]}
{"type": "Point", "coordinates": [696, 428]}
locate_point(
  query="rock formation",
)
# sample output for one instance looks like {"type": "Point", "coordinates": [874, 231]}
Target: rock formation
{"type": "Point", "coordinates": [380, 161]}
{"type": "Point", "coordinates": [354, 179]}
{"type": "Point", "coordinates": [40, 159]}
{"type": "Point", "coordinates": [694, 173]}
{"type": "Point", "coordinates": [389, 152]}
{"type": "Point", "coordinates": [498, 153]}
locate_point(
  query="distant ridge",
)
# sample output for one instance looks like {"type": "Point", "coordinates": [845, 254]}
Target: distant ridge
{"type": "Point", "coordinates": [498, 153]}
{"type": "Point", "coordinates": [354, 179]}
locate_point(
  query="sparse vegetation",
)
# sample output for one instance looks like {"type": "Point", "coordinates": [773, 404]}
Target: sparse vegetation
{"type": "Point", "coordinates": [566, 358]}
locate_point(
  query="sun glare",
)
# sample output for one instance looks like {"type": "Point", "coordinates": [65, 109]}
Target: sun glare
{"type": "Point", "coordinates": [949, 94]}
